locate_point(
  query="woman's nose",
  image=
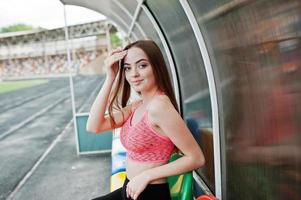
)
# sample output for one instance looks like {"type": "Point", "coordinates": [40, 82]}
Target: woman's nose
{"type": "Point", "coordinates": [134, 72]}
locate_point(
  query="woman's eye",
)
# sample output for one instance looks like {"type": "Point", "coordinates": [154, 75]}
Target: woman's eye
{"type": "Point", "coordinates": [127, 68]}
{"type": "Point", "coordinates": [142, 66]}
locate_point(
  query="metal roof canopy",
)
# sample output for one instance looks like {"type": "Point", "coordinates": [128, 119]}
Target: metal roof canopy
{"type": "Point", "coordinates": [120, 13]}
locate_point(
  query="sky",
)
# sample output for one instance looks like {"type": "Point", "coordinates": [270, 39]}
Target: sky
{"type": "Point", "coordinates": [47, 14]}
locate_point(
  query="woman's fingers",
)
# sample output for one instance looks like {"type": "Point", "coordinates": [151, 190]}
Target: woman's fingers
{"type": "Point", "coordinates": [115, 58]}
{"type": "Point", "coordinates": [119, 55]}
{"type": "Point", "coordinates": [130, 193]}
{"type": "Point", "coordinates": [119, 49]}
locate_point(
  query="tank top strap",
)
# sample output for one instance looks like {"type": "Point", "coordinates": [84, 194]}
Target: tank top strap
{"type": "Point", "coordinates": [136, 105]}
{"type": "Point", "coordinates": [134, 108]}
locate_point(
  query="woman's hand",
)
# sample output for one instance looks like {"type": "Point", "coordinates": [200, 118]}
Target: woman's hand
{"type": "Point", "coordinates": [136, 186]}
{"type": "Point", "coordinates": [112, 62]}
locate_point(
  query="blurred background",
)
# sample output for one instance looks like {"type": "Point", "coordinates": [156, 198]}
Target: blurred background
{"type": "Point", "coordinates": [236, 71]}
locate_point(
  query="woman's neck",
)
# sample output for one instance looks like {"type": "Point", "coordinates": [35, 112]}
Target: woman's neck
{"type": "Point", "coordinates": [148, 96]}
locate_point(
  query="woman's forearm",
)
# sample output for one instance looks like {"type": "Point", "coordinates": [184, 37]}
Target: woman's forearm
{"type": "Point", "coordinates": [179, 166]}
{"type": "Point", "coordinates": [98, 108]}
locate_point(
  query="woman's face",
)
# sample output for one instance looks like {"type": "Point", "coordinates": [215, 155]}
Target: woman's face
{"type": "Point", "coordinates": [138, 70]}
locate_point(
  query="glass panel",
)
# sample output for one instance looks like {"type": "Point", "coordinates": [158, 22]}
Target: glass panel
{"type": "Point", "coordinates": [132, 38]}
{"type": "Point", "coordinates": [149, 30]}
{"type": "Point", "coordinates": [256, 51]}
{"type": "Point", "coordinates": [119, 22]}
{"type": "Point", "coordinates": [193, 80]}
{"type": "Point", "coordinates": [121, 14]}
{"type": "Point", "coordinates": [130, 5]}
{"type": "Point", "coordinates": [147, 27]}
{"type": "Point", "coordinates": [137, 32]}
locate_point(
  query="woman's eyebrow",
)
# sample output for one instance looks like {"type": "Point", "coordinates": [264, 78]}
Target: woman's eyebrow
{"type": "Point", "coordinates": [143, 59]}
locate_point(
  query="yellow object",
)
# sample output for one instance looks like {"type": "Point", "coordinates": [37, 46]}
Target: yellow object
{"type": "Point", "coordinates": [176, 188]}
{"type": "Point", "coordinates": [117, 180]}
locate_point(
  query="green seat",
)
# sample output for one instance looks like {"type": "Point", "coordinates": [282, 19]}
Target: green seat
{"type": "Point", "coordinates": [181, 185]}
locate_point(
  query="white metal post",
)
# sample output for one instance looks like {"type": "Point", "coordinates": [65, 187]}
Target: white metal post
{"type": "Point", "coordinates": [71, 80]}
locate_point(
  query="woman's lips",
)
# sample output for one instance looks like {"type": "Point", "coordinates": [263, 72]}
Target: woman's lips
{"type": "Point", "coordinates": [136, 82]}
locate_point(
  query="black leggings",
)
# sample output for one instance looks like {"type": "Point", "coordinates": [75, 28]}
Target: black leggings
{"type": "Point", "coordinates": [151, 192]}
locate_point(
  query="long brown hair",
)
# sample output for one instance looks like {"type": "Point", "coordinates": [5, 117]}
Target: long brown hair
{"type": "Point", "coordinates": [121, 93]}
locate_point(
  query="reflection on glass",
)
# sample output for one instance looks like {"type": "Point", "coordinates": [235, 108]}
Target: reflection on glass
{"type": "Point", "coordinates": [255, 47]}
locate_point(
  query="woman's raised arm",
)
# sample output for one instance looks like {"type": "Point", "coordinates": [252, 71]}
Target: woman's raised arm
{"type": "Point", "coordinates": [97, 121]}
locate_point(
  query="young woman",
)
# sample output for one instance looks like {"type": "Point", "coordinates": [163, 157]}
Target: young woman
{"type": "Point", "coordinates": [151, 128]}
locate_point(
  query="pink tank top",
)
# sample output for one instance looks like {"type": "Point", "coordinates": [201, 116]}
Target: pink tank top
{"type": "Point", "coordinates": [143, 143]}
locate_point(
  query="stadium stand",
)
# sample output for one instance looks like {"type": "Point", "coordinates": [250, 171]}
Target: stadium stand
{"type": "Point", "coordinates": [43, 52]}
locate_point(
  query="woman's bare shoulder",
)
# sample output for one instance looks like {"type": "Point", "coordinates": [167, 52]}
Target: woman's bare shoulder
{"type": "Point", "coordinates": [162, 111]}
{"type": "Point", "coordinates": [160, 104]}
